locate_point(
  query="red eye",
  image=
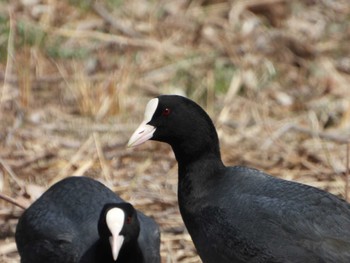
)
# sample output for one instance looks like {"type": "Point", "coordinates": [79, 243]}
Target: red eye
{"type": "Point", "coordinates": [128, 220]}
{"type": "Point", "coordinates": [166, 112]}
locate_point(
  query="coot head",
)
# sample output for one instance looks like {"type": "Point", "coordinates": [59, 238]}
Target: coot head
{"type": "Point", "coordinates": [119, 224]}
{"type": "Point", "coordinates": [179, 122]}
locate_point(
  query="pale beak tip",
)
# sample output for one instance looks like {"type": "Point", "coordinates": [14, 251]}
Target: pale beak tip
{"type": "Point", "coordinates": [131, 142]}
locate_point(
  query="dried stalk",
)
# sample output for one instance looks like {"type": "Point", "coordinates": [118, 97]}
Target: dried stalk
{"type": "Point", "coordinates": [12, 201]}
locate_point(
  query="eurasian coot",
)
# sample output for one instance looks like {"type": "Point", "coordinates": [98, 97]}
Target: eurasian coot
{"type": "Point", "coordinates": [80, 220]}
{"type": "Point", "coordinates": [239, 214]}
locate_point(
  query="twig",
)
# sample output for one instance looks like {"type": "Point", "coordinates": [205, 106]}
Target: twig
{"type": "Point", "coordinates": [61, 126]}
{"type": "Point", "coordinates": [113, 21]}
{"type": "Point", "coordinates": [120, 40]}
{"type": "Point", "coordinates": [48, 79]}
{"type": "Point", "coordinates": [165, 72]}
{"type": "Point", "coordinates": [8, 248]}
{"type": "Point", "coordinates": [291, 127]}
{"type": "Point", "coordinates": [101, 157]}
{"type": "Point", "coordinates": [11, 173]}
{"type": "Point", "coordinates": [86, 165]}
{"type": "Point", "coordinates": [33, 159]}
{"type": "Point", "coordinates": [327, 136]}
{"type": "Point", "coordinates": [76, 157]}
{"type": "Point", "coordinates": [11, 200]}
{"type": "Point", "coordinates": [235, 84]}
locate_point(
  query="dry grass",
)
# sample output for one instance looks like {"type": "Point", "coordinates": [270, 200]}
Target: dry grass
{"type": "Point", "coordinates": [273, 74]}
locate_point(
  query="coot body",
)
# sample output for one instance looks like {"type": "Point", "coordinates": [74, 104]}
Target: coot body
{"type": "Point", "coordinates": [239, 214]}
{"type": "Point", "coordinates": [68, 224]}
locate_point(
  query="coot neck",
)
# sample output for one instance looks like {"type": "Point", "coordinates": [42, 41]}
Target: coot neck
{"type": "Point", "coordinates": [199, 164]}
{"type": "Point", "coordinates": [198, 160]}
{"type": "Point", "coordinates": [197, 176]}
{"type": "Point", "coordinates": [130, 252]}
{"type": "Point", "coordinates": [197, 146]}
{"type": "Point", "coordinates": [197, 180]}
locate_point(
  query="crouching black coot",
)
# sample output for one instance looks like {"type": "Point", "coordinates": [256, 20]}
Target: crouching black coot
{"type": "Point", "coordinates": [80, 220]}
{"type": "Point", "coordinates": [239, 214]}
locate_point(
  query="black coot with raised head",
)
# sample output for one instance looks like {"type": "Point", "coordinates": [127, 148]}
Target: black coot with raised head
{"type": "Point", "coordinates": [239, 214]}
{"type": "Point", "coordinates": [79, 220]}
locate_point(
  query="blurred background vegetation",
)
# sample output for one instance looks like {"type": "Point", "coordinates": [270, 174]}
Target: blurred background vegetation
{"type": "Point", "coordinates": [76, 75]}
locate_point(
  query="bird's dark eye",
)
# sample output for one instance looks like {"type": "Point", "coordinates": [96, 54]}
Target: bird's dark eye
{"type": "Point", "coordinates": [128, 220]}
{"type": "Point", "coordinates": [166, 112]}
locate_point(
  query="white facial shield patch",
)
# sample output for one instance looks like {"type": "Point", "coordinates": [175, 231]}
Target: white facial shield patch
{"type": "Point", "coordinates": [115, 221]}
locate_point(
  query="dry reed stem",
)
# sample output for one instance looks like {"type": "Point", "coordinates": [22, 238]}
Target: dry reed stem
{"type": "Point", "coordinates": [12, 174]}
{"type": "Point", "coordinates": [79, 155]}
{"type": "Point", "coordinates": [104, 165]}
{"type": "Point", "coordinates": [120, 40]}
{"type": "Point", "coordinates": [8, 248]}
{"type": "Point", "coordinates": [12, 201]}
{"type": "Point", "coordinates": [102, 11]}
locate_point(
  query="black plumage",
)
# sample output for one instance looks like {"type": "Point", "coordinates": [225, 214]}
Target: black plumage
{"type": "Point", "coordinates": [68, 224]}
{"type": "Point", "coordinates": [239, 214]}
